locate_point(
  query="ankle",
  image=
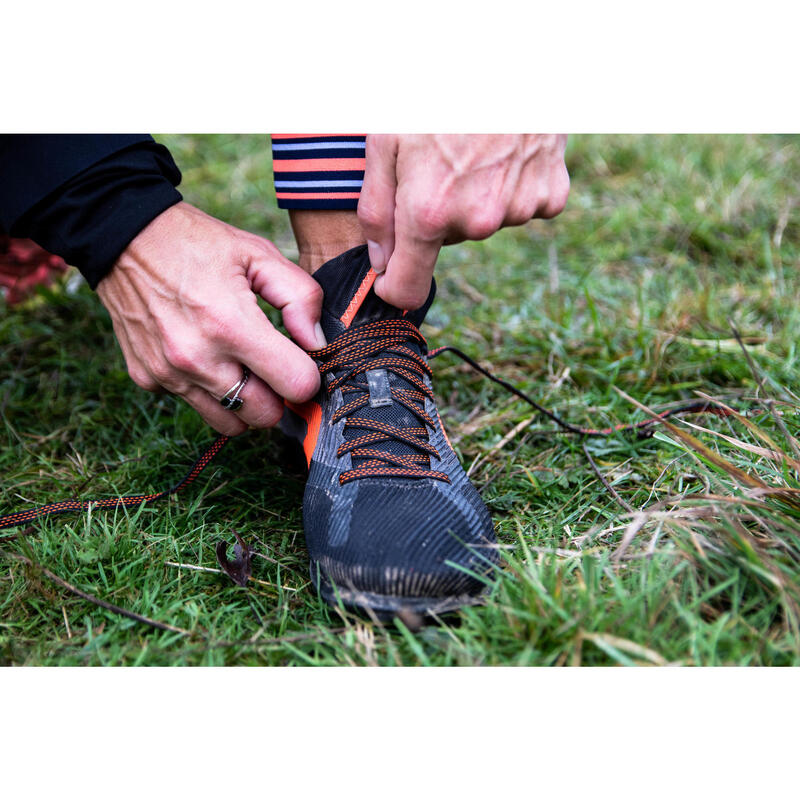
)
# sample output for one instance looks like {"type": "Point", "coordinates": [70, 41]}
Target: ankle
{"type": "Point", "coordinates": [323, 235]}
{"type": "Point", "coordinates": [311, 259]}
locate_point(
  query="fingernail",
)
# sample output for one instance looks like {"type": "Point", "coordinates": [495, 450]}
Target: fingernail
{"type": "Point", "coordinates": [376, 256]}
{"type": "Point", "coordinates": [319, 336]}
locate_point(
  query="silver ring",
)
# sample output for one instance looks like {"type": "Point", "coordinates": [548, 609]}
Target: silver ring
{"type": "Point", "coordinates": [231, 399]}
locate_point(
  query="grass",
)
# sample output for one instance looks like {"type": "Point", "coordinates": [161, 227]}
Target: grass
{"type": "Point", "coordinates": [666, 242]}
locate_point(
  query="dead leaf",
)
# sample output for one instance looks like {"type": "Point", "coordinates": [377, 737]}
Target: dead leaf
{"type": "Point", "coordinates": [238, 570]}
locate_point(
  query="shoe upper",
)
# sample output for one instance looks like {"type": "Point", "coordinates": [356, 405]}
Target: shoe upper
{"type": "Point", "coordinates": [387, 510]}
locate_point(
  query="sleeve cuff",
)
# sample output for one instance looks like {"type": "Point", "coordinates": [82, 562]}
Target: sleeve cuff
{"type": "Point", "coordinates": [91, 219]}
{"type": "Point", "coordinates": [129, 213]}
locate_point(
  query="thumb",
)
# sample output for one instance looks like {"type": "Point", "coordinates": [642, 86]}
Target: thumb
{"type": "Point", "coordinates": [376, 205]}
{"type": "Point", "coordinates": [407, 280]}
{"type": "Point", "coordinates": [290, 289]}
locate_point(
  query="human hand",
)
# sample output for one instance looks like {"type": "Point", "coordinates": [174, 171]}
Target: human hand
{"type": "Point", "coordinates": [182, 298]}
{"type": "Point", "coordinates": [421, 192]}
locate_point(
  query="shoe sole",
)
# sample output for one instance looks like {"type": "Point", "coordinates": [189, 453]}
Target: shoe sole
{"type": "Point", "coordinates": [386, 607]}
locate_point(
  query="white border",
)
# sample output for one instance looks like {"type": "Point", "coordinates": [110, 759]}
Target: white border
{"type": "Point", "coordinates": [494, 65]}
{"type": "Point", "coordinates": [469, 732]}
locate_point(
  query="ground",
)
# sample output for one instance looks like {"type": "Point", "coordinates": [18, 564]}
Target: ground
{"type": "Point", "coordinates": [669, 549]}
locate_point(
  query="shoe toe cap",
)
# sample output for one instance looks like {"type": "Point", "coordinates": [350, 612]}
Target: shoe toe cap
{"type": "Point", "coordinates": [407, 540]}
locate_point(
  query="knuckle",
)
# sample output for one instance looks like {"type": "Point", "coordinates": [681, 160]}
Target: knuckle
{"type": "Point", "coordinates": [182, 357]}
{"type": "Point", "coordinates": [369, 214]}
{"type": "Point", "coordinates": [483, 224]}
{"type": "Point", "coordinates": [264, 247]}
{"type": "Point", "coordinates": [162, 374]}
{"type": "Point", "coordinates": [256, 252]}
{"type": "Point", "coordinates": [186, 361]}
{"type": "Point", "coordinates": [518, 214]}
{"type": "Point", "coordinates": [415, 300]}
{"type": "Point", "coordinates": [217, 323]}
{"type": "Point", "coordinates": [431, 218]}
{"type": "Point", "coordinates": [268, 416]}
{"type": "Point", "coordinates": [314, 295]}
{"type": "Point", "coordinates": [142, 379]}
{"type": "Point", "coordinates": [302, 385]}
{"type": "Point", "coordinates": [555, 205]}
{"type": "Point", "coordinates": [223, 327]}
{"type": "Point", "coordinates": [409, 297]}
{"type": "Point", "coordinates": [563, 190]}
{"type": "Point", "coordinates": [556, 200]}
{"type": "Point", "coordinates": [382, 144]}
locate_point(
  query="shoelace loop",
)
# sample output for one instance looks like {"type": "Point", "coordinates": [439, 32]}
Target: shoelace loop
{"type": "Point", "coordinates": [382, 344]}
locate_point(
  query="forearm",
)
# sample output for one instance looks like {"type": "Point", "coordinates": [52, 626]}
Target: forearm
{"type": "Point", "coordinates": [84, 197]}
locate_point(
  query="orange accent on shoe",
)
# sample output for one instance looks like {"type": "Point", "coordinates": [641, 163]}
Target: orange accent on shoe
{"type": "Point", "coordinates": [358, 298]}
{"type": "Point", "coordinates": [441, 425]}
{"type": "Point", "coordinates": [311, 412]}
{"type": "Point", "coordinates": [355, 352]}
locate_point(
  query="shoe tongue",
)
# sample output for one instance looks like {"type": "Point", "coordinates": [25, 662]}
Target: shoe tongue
{"type": "Point", "coordinates": [349, 299]}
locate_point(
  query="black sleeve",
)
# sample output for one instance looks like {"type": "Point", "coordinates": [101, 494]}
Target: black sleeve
{"type": "Point", "coordinates": [84, 197]}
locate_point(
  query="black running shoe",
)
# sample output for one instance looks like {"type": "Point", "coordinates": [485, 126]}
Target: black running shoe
{"type": "Point", "coordinates": [392, 522]}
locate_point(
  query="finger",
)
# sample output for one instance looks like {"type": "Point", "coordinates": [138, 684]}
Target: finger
{"type": "Point", "coordinates": [274, 358]}
{"type": "Point", "coordinates": [136, 369]}
{"type": "Point", "coordinates": [212, 412]}
{"type": "Point", "coordinates": [238, 332]}
{"type": "Point", "coordinates": [261, 407]}
{"type": "Point", "coordinates": [376, 205]}
{"type": "Point", "coordinates": [558, 194]}
{"type": "Point", "coordinates": [407, 280]}
{"type": "Point", "coordinates": [287, 287]}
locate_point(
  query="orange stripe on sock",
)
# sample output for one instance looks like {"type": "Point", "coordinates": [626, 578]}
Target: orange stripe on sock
{"type": "Point", "coordinates": [358, 298]}
{"type": "Point", "coordinates": [310, 135]}
{"type": "Point", "coordinates": [321, 195]}
{"type": "Point", "coordinates": [317, 164]}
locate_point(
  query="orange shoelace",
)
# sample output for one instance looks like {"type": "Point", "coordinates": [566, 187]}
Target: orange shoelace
{"type": "Point", "coordinates": [356, 351]}
{"type": "Point", "coordinates": [381, 345]}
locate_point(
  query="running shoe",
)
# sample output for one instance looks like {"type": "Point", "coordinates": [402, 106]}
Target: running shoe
{"type": "Point", "coordinates": [392, 522]}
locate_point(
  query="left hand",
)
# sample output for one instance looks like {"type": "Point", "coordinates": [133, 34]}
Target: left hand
{"type": "Point", "coordinates": [421, 192]}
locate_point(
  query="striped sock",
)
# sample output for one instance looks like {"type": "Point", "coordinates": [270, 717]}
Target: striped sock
{"type": "Point", "coordinates": [318, 171]}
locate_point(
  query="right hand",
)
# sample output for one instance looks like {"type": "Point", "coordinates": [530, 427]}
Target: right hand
{"type": "Point", "coordinates": [182, 298]}
{"type": "Point", "coordinates": [423, 191]}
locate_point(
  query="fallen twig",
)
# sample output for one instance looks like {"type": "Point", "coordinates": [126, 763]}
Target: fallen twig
{"type": "Point", "coordinates": [24, 532]}
{"type": "Point", "coordinates": [501, 444]}
{"type": "Point", "coordinates": [198, 568]}
{"type": "Point", "coordinates": [750, 363]}
{"type": "Point", "coordinates": [605, 483]}
{"type": "Point", "coordinates": [51, 576]}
